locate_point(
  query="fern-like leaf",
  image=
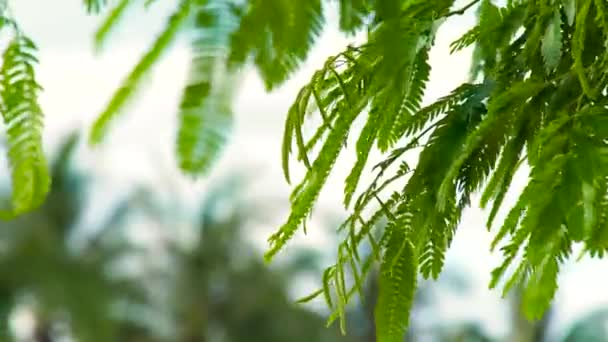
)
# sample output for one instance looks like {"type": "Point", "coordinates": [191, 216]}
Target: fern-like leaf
{"type": "Point", "coordinates": [308, 190]}
{"type": "Point", "coordinates": [396, 288]}
{"type": "Point", "coordinates": [552, 42]}
{"type": "Point", "coordinates": [278, 35]}
{"type": "Point", "coordinates": [24, 121]}
{"type": "Point", "coordinates": [205, 116]}
{"type": "Point", "coordinates": [354, 14]}
{"type": "Point", "coordinates": [110, 22]}
{"type": "Point", "coordinates": [130, 85]}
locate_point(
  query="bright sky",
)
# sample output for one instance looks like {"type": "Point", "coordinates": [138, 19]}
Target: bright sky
{"type": "Point", "coordinates": [140, 148]}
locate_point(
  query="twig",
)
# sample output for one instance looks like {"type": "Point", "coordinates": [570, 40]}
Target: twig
{"type": "Point", "coordinates": [462, 10]}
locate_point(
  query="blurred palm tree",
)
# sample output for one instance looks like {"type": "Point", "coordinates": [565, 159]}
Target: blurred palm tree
{"type": "Point", "coordinates": [59, 284]}
{"type": "Point", "coordinates": [223, 290]}
{"type": "Point", "coordinates": [590, 328]}
{"type": "Point", "coordinates": [220, 289]}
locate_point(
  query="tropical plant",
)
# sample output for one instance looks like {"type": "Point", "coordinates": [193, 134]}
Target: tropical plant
{"type": "Point", "coordinates": [591, 327]}
{"type": "Point", "coordinates": [39, 267]}
{"type": "Point", "coordinates": [537, 97]}
{"type": "Point", "coordinates": [224, 292]}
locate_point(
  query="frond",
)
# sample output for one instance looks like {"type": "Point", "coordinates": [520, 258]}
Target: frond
{"type": "Point", "coordinates": [364, 147]}
{"type": "Point", "coordinates": [412, 97]}
{"type": "Point", "coordinates": [578, 45]}
{"type": "Point", "coordinates": [396, 288]}
{"type": "Point", "coordinates": [552, 41]}
{"type": "Point", "coordinates": [401, 73]}
{"type": "Point", "coordinates": [420, 120]}
{"type": "Point", "coordinates": [205, 116]}
{"type": "Point", "coordinates": [110, 22]}
{"type": "Point", "coordinates": [131, 84]}
{"type": "Point", "coordinates": [535, 97]}
{"type": "Point", "coordinates": [278, 35]}
{"type": "Point", "coordinates": [354, 14]}
{"type": "Point", "coordinates": [489, 19]}
{"type": "Point", "coordinates": [23, 118]}
{"type": "Point", "coordinates": [466, 40]}
{"type": "Point", "coordinates": [495, 122]}
{"type": "Point", "coordinates": [314, 180]}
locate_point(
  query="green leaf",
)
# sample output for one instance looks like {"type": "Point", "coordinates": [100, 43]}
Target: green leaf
{"type": "Point", "coordinates": [310, 297]}
{"type": "Point", "coordinates": [489, 19]}
{"type": "Point", "coordinates": [111, 21]}
{"type": "Point", "coordinates": [278, 35]}
{"type": "Point", "coordinates": [23, 118]}
{"type": "Point", "coordinates": [578, 45]}
{"type": "Point", "coordinates": [307, 192]}
{"type": "Point", "coordinates": [396, 289]}
{"type": "Point", "coordinates": [570, 9]}
{"type": "Point", "coordinates": [205, 116]}
{"type": "Point", "coordinates": [552, 42]}
{"type": "Point", "coordinates": [129, 86]}
{"type": "Point", "coordinates": [540, 289]}
{"type": "Point", "coordinates": [353, 14]}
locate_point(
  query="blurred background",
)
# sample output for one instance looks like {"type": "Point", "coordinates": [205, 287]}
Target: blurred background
{"type": "Point", "coordinates": [128, 249]}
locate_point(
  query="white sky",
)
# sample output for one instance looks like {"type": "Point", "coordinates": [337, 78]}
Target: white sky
{"type": "Point", "coordinates": [140, 148]}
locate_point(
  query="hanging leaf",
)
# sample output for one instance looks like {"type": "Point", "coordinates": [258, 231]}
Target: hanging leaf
{"type": "Point", "coordinates": [396, 289]}
{"type": "Point", "coordinates": [23, 118]}
{"type": "Point", "coordinates": [552, 42]}
{"type": "Point", "coordinates": [570, 9]}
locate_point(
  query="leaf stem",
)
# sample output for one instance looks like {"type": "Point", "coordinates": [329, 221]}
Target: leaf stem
{"type": "Point", "coordinates": [463, 9]}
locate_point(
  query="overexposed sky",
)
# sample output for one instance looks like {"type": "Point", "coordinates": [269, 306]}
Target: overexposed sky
{"type": "Point", "coordinates": [140, 148]}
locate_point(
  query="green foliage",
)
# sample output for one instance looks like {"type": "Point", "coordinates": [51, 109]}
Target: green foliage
{"type": "Point", "coordinates": [136, 77]}
{"type": "Point", "coordinates": [23, 118]}
{"type": "Point", "coordinates": [110, 22]}
{"type": "Point", "coordinates": [277, 34]}
{"type": "Point", "coordinates": [537, 97]}
{"type": "Point", "coordinates": [40, 263]}
{"type": "Point", "coordinates": [354, 14]}
{"type": "Point", "coordinates": [252, 296]}
{"type": "Point", "coordinates": [205, 110]}
{"type": "Point", "coordinates": [398, 272]}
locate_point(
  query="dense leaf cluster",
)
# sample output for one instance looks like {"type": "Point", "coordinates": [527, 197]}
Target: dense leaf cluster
{"type": "Point", "coordinates": [537, 96]}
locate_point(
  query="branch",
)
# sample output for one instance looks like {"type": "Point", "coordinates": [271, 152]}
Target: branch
{"type": "Point", "coordinates": [462, 10]}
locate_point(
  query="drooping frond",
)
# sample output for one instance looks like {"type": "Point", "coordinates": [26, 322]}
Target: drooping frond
{"type": "Point", "coordinates": [354, 14]}
{"type": "Point", "coordinates": [307, 192]}
{"type": "Point", "coordinates": [110, 22]}
{"type": "Point", "coordinates": [534, 98]}
{"type": "Point", "coordinates": [396, 288]}
{"type": "Point", "coordinates": [552, 41]}
{"type": "Point", "coordinates": [205, 116]}
{"type": "Point", "coordinates": [23, 118]}
{"type": "Point", "coordinates": [277, 34]}
{"type": "Point", "coordinates": [134, 80]}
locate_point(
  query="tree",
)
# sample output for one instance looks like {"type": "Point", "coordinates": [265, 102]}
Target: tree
{"type": "Point", "coordinates": [537, 97]}
{"type": "Point", "coordinates": [85, 290]}
{"type": "Point", "coordinates": [223, 292]}
{"type": "Point", "coordinates": [39, 266]}
{"type": "Point", "coordinates": [592, 327]}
